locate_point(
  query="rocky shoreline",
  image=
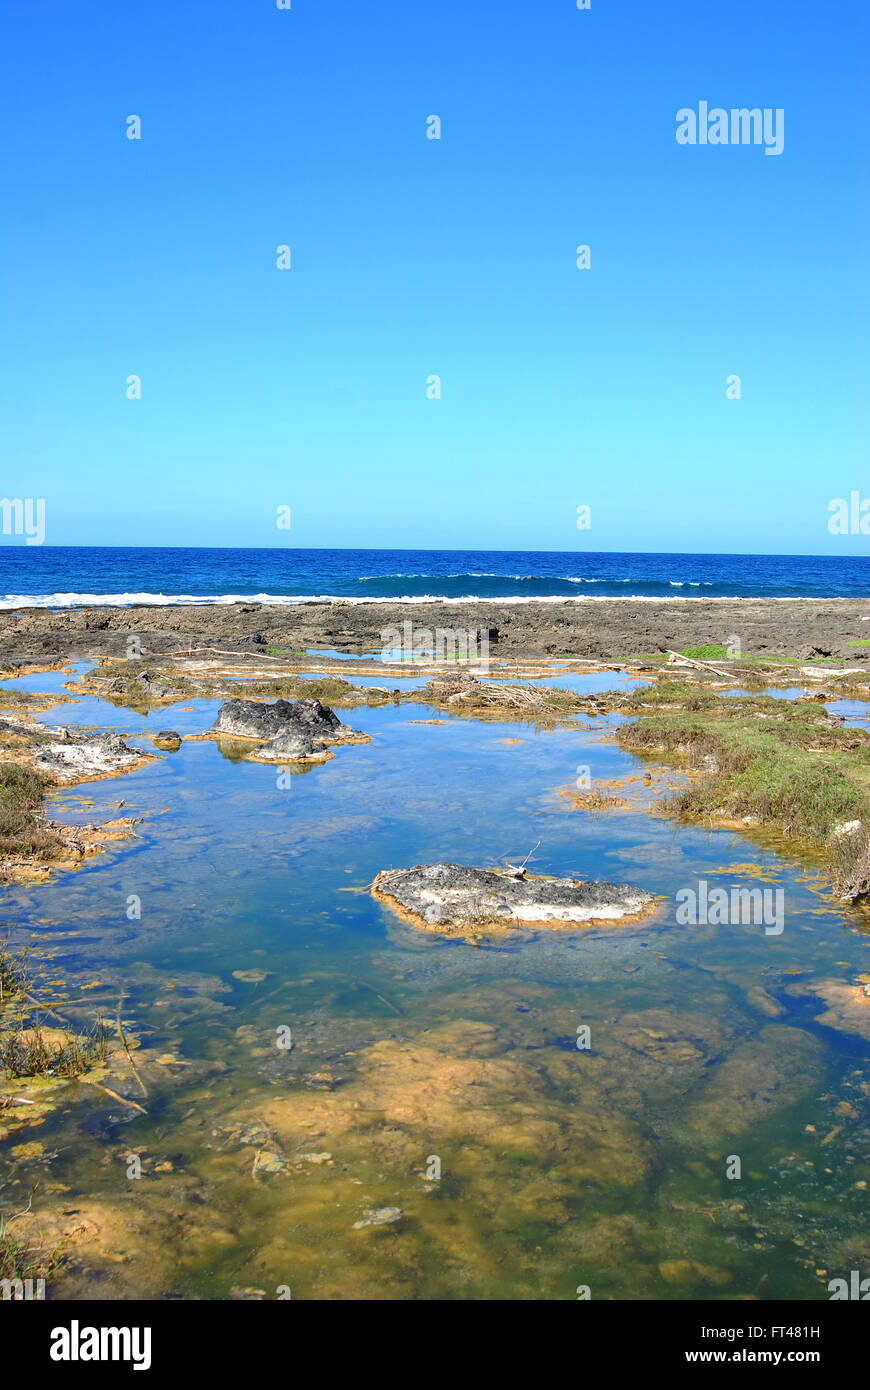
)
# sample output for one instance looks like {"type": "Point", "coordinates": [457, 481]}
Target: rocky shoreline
{"type": "Point", "coordinates": [607, 629]}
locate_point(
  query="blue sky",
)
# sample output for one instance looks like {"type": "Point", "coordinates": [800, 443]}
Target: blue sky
{"type": "Point", "coordinates": [413, 257]}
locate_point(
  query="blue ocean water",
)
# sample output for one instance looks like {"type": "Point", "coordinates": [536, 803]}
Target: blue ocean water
{"type": "Point", "coordinates": [64, 577]}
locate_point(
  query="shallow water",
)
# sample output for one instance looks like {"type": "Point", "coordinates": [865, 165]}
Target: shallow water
{"type": "Point", "coordinates": [559, 1167]}
{"type": "Point", "coordinates": [776, 692]}
{"type": "Point", "coordinates": [853, 711]}
{"type": "Point", "coordinates": [581, 682]}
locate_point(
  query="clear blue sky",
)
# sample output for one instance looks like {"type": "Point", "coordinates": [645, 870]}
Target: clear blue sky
{"type": "Point", "coordinates": [413, 257]}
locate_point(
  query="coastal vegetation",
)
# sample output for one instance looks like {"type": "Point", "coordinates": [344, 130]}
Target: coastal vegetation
{"type": "Point", "coordinates": [24, 829]}
{"type": "Point", "coordinates": [28, 1048]}
{"type": "Point", "coordinates": [20, 1260]}
{"type": "Point", "coordinates": [787, 765]}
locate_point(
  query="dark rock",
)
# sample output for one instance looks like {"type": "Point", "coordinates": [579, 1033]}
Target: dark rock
{"type": "Point", "coordinates": [291, 743]}
{"type": "Point", "coordinates": [305, 719]}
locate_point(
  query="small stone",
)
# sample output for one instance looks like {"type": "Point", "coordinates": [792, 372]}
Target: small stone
{"type": "Point", "coordinates": [381, 1216]}
{"type": "Point", "coordinates": [268, 1161]}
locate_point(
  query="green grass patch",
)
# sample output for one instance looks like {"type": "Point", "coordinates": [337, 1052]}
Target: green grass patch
{"type": "Point", "coordinates": [332, 690]}
{"type": "Point", "coordinates": [703, 653]}
{"type": "Point", "coordinates": [781, 762]}
{"type": "Point", "coordinates": [21, 1261]}
{"type": "Point", "coordinates": [22, 824]}
{"type": "Point", "coordinates": [27, 1052]}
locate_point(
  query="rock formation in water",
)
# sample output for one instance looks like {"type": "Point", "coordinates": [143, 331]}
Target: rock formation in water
{"type": "Point", "coordinates": [456, 899]}
{"type": "Point", "coordinates": [296, 730]}
{"type": "Point", "coordinates": [81, 756]}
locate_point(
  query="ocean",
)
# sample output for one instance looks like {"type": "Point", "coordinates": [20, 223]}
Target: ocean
{"type": "Point", "coordinates": [69, 577]}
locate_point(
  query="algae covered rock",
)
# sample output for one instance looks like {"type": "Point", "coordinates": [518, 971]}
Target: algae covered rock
{"type": "Point", "coordinates": [848, 1005]}
{"type": "Point", "coordinates": [761, 1077]}
{"type": "Point", "coordinates": [453, 898]}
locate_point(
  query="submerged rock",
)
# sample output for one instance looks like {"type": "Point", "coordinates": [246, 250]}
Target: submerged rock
{"type": "Point", "coordinates": [382, 1216]}
{"type": "Point", "coordinates": [763, 1076]}
{"type": "Point", "coordinates": [455, 898]}
{"type": "Point", "coordinates": [848, 1005]}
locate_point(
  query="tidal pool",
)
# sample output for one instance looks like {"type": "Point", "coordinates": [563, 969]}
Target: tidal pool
{"type": "Point", "coordinates": [239, 921]}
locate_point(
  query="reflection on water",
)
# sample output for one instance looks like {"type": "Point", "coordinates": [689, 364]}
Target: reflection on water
{"type": "Point", "coordinates": [265, 1165]}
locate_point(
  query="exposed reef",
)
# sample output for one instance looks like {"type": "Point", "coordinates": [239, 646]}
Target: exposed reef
{"type": "Point", "coordinates": [289, 730]}
{"type": "Point", "coordinates": [80, 757]}
{"type": "Point", "coordinates": [457, 900]}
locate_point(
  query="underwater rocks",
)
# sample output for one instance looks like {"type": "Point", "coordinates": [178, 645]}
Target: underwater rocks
{"type": "Point", "coordinates": [453, 898]}
{"type": "Point", "coordinates": [292, 730]}
{"type": "Point", "coordinates": [381, 1216]}
{"type": "Point", "coordinates": [81, 757]}
{"type": "Point", "coordinates": [848, 1005]}
{"type": "Point", "coordinates": [761, 1077]}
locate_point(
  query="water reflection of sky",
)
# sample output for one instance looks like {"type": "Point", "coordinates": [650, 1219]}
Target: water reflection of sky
{"type": "Point", "coordinates": [238, 867]}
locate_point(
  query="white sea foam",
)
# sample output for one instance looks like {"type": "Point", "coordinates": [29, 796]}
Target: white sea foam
{"type": "Point", "coordinates": [130, 600]}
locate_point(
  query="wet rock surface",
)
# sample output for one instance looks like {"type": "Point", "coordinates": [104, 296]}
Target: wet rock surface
{"type": "Point", "coordinates": [304, 719]}
{"type": "Point", "coordinates": [455, 897]}
{"type": "Point", "coordinates": [292, 730]}
{"type": "Point", "coordinates": [81, 756]}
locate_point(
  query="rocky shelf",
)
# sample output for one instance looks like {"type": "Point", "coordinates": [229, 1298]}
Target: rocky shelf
{"type": "Point", "coordinates": [454, 899]}
{"type": "Point", "coordinates": [288, 730]}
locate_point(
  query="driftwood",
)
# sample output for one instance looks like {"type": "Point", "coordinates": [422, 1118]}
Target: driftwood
{"type": "Point", "coordinates": [707, 667]}
{"type": "Point", "coordinates": [216, 651]}
{"type": "Point", "coordinates": [114, 1094]}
